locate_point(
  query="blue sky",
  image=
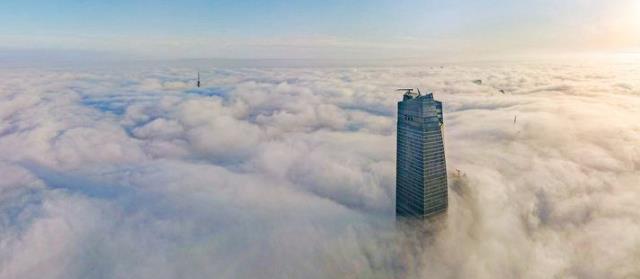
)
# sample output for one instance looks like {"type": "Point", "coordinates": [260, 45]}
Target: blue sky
{"type": "Point", "coordinates": [318, 29]}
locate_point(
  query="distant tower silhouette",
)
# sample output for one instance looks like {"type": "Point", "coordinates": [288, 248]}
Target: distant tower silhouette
{"type": "Point", "coordinates": [198, 79]}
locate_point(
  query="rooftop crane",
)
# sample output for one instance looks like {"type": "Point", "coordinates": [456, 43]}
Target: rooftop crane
{"type": "Point", "coordinates": [409, 91]}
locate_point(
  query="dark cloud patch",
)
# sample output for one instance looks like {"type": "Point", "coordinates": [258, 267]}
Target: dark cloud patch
{"type": "Point", "coordinates": [114, 107]}
{"type": "Point", "coordinates": [209, 92]}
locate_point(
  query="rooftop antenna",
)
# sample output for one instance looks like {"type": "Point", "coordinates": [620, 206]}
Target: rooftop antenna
{"type": "Point", "coordinates": [407, 91]}
{"type": "Point", "coordinates": [198, 79]}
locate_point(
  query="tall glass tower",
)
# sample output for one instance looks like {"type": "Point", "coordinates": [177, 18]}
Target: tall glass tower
{"type": "Point", "coordinates": [421, 173]}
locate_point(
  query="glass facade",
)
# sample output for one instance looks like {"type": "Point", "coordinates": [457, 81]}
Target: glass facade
{"type": "Point", "coordinates": [421, 174]}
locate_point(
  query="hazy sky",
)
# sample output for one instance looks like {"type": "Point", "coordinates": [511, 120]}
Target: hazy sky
{"type": "Point", "coordinates": [320, 29]}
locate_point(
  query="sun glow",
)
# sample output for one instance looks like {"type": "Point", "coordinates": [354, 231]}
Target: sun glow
{"type": "Point", "coordinates": [617, 28]}
{"type": "Point", "coordinates": [635, 10]}
{"type": "Point", "coordinates": [635, 20]}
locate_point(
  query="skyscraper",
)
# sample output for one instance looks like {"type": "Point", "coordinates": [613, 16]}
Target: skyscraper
{"type": "Point", "coordinates": [421, 173]}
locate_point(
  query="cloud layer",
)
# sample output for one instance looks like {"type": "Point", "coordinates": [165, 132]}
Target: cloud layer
{"type": "Point", "coordinates": [289, 172]}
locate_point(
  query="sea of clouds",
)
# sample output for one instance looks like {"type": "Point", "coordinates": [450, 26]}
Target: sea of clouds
{"type": "Point", "coordinates": [132, 172]}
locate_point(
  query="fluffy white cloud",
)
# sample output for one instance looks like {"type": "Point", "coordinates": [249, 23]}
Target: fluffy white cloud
{"type": "Point", "coordinates": [289, 172]}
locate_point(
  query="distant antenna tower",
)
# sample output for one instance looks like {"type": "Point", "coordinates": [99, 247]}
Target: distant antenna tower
{"type": "Point", "coordinates": [198, 79]}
